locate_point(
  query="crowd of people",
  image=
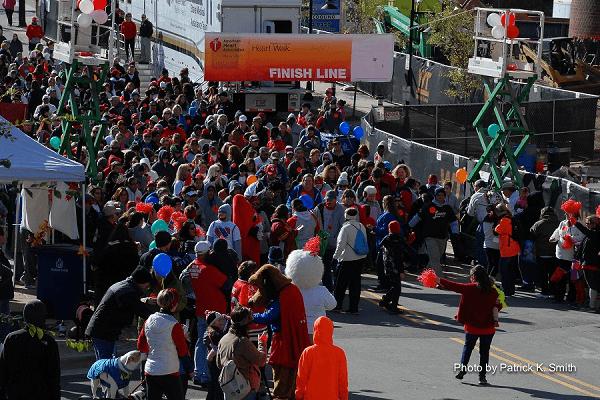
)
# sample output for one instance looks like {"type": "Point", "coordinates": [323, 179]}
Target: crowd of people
{"type": "Point", "coordinates": [197, 196]}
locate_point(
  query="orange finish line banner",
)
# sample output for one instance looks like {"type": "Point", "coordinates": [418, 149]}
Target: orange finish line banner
{"type": "Point", "coordinates": [283, 57]}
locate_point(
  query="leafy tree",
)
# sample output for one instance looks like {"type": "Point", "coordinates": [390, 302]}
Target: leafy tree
{"type": "Point", "coordinates": [452, 32]}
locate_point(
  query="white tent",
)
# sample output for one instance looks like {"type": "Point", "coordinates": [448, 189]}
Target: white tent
{"type": "Point", "coordinates": [33, 162]}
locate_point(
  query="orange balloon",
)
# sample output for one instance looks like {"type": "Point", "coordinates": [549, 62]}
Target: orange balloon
{"type": "Point", "coordinates": [251, 179]}
{"type": "Point", "coordinates": [461, 175]}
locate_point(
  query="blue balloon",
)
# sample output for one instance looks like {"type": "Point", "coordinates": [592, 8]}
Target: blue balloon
{"type": "Point", "coordinates": [192, 111]}
{"type": "Point", "coordinates": [162, 264]}
{"type": "Point", "coordinates": [152, 199]}
{"type": "Point", "coordinates": [493, 130]}
{"type": "Point", "coordinates": [307, 201]}
{"type": "Point", "coordinates": [358, 132]}
{"type": "Point", "coordinates": [345, 127]}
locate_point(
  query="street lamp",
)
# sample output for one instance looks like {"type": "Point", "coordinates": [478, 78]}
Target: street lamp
{"type": "Point", "coordinates": [409, 74]}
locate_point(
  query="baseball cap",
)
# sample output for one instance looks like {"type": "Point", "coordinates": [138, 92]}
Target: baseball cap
{"type": "Point", "coordinates": [154, 118]}
{"type": "Point", "coordinates": [271, 170]}
{"type": "Point", "coordinates": [172, 121]}
{"type": "Point", "coordinates": [330, 195]}
{"type": "Point", "coordinates": [243, 118]}
{"type": "Point", "coordinates": [176, 149]}
{"type": "Point", "coordinates": [110, 210]}
{"type": "Point", "coordinates": [254, 138]}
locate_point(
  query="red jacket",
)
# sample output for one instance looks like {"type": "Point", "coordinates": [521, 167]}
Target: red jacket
{"type": "Point", "coordinates": [322, 369]}
{"type": "Point", "coordinates": [128, 29]}
{"type": "Point", "coordinates": [508, 247]}
{"type": "Point", "coordinates": [207, 281]}
{"type": "Point", "coordinates": [241, 293]}
{"type": "Point", "coordinates": [475, 308]}
{"type": "Point", "coordinates": [34, 31]}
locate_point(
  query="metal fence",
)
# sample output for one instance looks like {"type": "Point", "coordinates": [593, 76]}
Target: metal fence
{"type": "Point", "coordinates": [450, 127]}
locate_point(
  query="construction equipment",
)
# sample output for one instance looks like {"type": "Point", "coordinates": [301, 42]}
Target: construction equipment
{"type": "Point", "coordinates": [560, 66]}
{"type": "Point", "coordinates": [393, 18]}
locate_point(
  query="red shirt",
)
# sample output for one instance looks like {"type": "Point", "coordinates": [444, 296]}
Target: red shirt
{"type": "Point", "coordinates": [168, 133]}
{"type": "Point", "coordinates": [34, 31]}
{"type": "Point", "coordinates": [128, 29]}
{"type": "Point", "coordinates": [241, 293]}
{"type": "Point", "coordinates": [207, 281]}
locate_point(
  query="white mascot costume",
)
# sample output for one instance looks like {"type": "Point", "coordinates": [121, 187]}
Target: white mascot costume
{"type": "Point", "coordinates": [305, 268]}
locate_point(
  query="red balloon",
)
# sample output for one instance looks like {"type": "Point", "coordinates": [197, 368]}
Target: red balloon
{"type": "Point", "coordinates": [99, 4]}
{"type": "Point", "coordinates": [511, 19]}
{"type": "Point", "coordinates": [512, 31]}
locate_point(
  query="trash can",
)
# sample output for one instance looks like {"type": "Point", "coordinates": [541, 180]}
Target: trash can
{"type": "Point", "coordinates": [60, 279]}
{"type": "Point", "coordinates": [559, 154]}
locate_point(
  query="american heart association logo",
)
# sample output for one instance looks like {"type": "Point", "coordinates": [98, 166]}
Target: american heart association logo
{"type": "Point", "coordinates": [215, 45]}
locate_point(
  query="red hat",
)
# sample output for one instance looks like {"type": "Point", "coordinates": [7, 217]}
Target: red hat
{"type": "Point", "coordinates": [394, 227]}
{"type": "Point", "coordinates": [136, 115]}
{"type": "Point", "coordinates": [318, 179]}
{"type": "Point", "coordinates": [34, 18]}
{"type": "Point", "coordinates": [271, 170]}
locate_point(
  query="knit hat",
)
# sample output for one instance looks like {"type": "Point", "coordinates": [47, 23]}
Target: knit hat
{"type": "Point", "coordinates": [275, 254]}
{"type": "Point", "coordinates": [212, 317]}
{"type": "Point", "coordinates": [162, 238]}
{"type": "Point", "coordinates": [141, 275]}
{"type": "Point", "coordinates": [439, 190]}
{"type": "Point", "coordinates": [343, 179]}
{"type": "Point", "coordinates": [394, 227]}
{"type": "Point", "coordinates": [370, 190]}
{"type": "Point", "coordinates": [34, 313]}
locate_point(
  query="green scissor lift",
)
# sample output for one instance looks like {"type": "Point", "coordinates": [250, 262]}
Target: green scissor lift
{"type": "Point", "coordinates": [86, 118]}
{"type": "Point", "coordinates": [511, 123]}
{"type": "Point", "coordinates": [504, 67]}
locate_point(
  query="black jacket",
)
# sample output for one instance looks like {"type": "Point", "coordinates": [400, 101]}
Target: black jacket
{"type": "Point", "coordinates": [587, 253]}
{"type": "Point", "coordinates": [29, 367]}
{"type": "Point", "coordinates": [116, 310]}
{"type": "Point", "coordinates": [7, 290]}
{"type": "Point", "coordinates": [146, 29]}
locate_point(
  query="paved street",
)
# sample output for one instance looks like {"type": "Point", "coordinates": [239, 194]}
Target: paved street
{"type": "Point", "coordinates": [412, 356]}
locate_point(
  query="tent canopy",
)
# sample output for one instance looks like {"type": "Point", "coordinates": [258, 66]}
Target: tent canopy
{"type": "Point", "coordinates": [32, 161]}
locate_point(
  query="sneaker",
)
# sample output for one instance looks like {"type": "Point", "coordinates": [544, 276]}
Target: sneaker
{"type": "Point", "coordinates": [542, 296]}
{"type": "Point", "coordinates": [483, 381]}
{"type": "Point", "coordinates": [337, 309]}
{"type": "Point", "coordinates": [460, 375]}
{"type": "Point", "coordinates": [352, 312]}
{"type": "Point", "coordinates": [395, 311]}
{"type": "Point", "coordinates": [575, 305]}
{"type": "Point", "coordinates": [383, 303]}
{"type": "Point", "coordinates": [379, 289]}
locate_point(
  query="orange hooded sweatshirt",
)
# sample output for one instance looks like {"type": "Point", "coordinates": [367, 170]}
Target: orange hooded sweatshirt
{"type": "Point", "coordinates": [322, 369]}
{"type": "Point", "coordinates": [508, 247]}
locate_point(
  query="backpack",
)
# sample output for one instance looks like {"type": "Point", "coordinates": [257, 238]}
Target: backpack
{"type": "Point", "coordinates": [517, 230]}
{"type": "Point", "coordinates": [361, 246]}
{"type": "Point", "coordinates": [232, 382]}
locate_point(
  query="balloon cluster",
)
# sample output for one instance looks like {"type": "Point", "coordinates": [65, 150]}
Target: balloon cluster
{"type": "Point", "coordinates": [502, 28]}
{"type": "Point", "coordinates": [357, 131]}
{"type": "Point", "coordinates": [91, 10]}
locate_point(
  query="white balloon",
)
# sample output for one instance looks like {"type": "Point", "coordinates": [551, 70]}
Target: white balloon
{"type": "Point", "coordinates": [84, 20]}
{"type": "Point", "coordinates": [99, 16]}
{"type": "Point", "coordinates": [86, 6]}
{"type": "Point", "coordinates": [498, 32]}
{"type": "Point", "coordinates": [493, 19]}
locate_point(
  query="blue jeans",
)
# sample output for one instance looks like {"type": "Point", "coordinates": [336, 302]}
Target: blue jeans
{"type": "Point", "coordinates": [4, 326]}
{"type": "Point", "coordinates": [201, 372]}
{"type": "Point", "coordinates": [479, 250]}
{"type": "Point", "coordinates": [104, 349]}
{"type": "Point", "coordinates": [251, 395]}
{"type": "Point", "coordinates": [485, 341]}
{"type": "Point", "coordinates": [507, 270]}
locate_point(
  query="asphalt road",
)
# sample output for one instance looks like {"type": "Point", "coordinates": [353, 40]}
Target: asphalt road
{"type": "Point", "coordinates": [541, 350]}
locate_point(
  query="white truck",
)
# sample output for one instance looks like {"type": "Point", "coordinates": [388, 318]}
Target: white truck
{"type": "Point", "coordinates": [179, 41]}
